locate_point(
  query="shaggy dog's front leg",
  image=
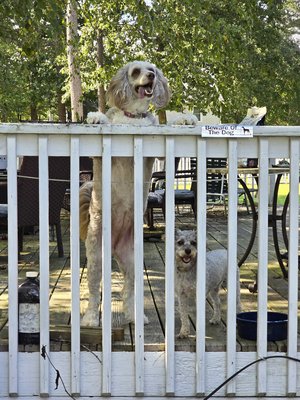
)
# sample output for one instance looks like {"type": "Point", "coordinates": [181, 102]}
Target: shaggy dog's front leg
{"type": "Point", "coordinates": [93, 246]}
{"type": "Point", "coordinates": [125, 261]}
{"type": "Point", "coordinates": [94, 272]}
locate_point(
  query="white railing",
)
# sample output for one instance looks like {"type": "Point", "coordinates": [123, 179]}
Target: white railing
{"type": "Point", "coordinates": [150, 373]}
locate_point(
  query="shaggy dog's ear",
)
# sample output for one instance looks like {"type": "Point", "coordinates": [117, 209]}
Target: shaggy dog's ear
{"type": "Point", "coordinates": [119, 90]}
{"type": "Point", "coordinates": [162, 92]}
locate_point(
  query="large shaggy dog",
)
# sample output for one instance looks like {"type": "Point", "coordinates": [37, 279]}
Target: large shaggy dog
{"type": "Point", "coordinates": [129, 95]}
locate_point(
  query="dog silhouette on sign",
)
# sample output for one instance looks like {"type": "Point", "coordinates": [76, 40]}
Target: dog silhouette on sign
{"type": "Point", "coordinates": [246, 130]}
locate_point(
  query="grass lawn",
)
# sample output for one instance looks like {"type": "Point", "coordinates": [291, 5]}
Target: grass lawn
{"type": "Point", "coordinates": [283, 191]}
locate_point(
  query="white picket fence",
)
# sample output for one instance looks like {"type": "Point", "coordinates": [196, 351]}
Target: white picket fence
{"type": "Point", "coordinates": [155, 374]}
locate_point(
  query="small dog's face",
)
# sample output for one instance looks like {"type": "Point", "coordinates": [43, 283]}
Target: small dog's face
{"type": "Point", "coordinates": [185, 250]}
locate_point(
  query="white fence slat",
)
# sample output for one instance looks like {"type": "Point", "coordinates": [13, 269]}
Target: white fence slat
{"type": "Point", "coordinates": [12, 199]}
{"type": "Point", "coordinates": [201, 268]}
{"type": "Point", "coordinates": [138, 265]}
{"type": "Point", "coordinates": [169, 280]}
{"type": "Point", "coordinates": [232, 264]}
{"type": "Point", "coordinates": [293, 266]}
{"type": "Point", "coordinates": [75, 268]}
{"type": "Point", "coordinates": [44, 260]}
{"type": "Point", "coordinates": [106, 267]}
{"type": "Point", "coordinates": [262, 265]}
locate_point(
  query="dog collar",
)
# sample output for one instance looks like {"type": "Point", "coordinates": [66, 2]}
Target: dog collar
{"type": "Point", "coordinates": [139, 115]}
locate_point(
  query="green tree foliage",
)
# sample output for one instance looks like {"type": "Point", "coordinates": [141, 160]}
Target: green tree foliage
{"type": "Point", "coordinates": [223, 55]}
{"type": "Point", "coordinates": [31, 40]}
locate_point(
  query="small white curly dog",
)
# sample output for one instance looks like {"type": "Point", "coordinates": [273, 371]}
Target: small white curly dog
{"type": "Point", "coordinates": [186, 277]}
{"type": "Point", "coordinates": [129, 95]}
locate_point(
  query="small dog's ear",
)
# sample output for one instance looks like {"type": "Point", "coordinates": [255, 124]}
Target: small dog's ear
{"type": "Point", "coordinates": [177, 232]}
{"type": "Point", "coordinates": [162, 92]}
{"type": "Point", "coordinates": [119, 90]}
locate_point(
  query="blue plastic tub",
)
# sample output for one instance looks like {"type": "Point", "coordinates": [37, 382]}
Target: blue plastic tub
{"type": "Point", "coordinates": [276, 330]}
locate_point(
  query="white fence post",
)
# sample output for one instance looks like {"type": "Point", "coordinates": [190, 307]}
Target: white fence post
{"type": "Point", "coordinates": [75, 268]}
{"type": "Point", "coordinates": [139, 265]}
{"type": "Point", "coordinates": [293, 265]}
{"type": "Point", "coordinates": [44, 261]}
{"type": "Point", "coordinates": [12, 198]}
{"type": "Point", "coordinates": [232, 264]}
{"type": "Point", "coordinates": [169, 280]}
{"type": "Point", "coordinates": [262, 265]}
{"type": "Point", "coordinates": [201, 269]}
{"type": "Point", "coordinates": [106, 267]}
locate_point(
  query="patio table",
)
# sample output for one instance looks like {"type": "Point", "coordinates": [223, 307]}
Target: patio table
{"type": "Point", "coordinates": [275, 215]}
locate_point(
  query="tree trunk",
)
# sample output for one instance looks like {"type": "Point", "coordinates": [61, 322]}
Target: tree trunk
{"type": "Point", "coordinates": [100, 64]}
{"type": "Point", "coordinates": [33, 112]}
{"type": "Point", "coordinates": [61, 108]}
{"type": "Point", "coordinates": [162, 117]}
{"type": "Point", "coordinates": [74, 71]}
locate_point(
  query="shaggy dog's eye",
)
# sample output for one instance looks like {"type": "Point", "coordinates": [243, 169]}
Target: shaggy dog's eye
{"type": "Point", "coordinates": [193, 243]}
{"type": "Point", "coordinates": [180, 242]}
{"type": "Point", "coordinates": [135, 73]}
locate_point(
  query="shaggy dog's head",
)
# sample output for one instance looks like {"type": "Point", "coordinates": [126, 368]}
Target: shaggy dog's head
{"type": "Point", "coordinates": [185, 249]}
{"type": "Point", "coordinates": [136, 85]}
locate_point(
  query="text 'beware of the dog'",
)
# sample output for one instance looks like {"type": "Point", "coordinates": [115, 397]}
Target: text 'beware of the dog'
{"type": "Point", "coordinates": [239, 131]}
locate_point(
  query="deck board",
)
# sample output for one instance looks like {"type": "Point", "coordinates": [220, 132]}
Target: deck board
{"type": "Point", "coordinates": [154, 284]}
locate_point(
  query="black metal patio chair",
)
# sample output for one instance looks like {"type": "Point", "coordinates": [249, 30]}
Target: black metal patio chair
{"type": "Point", "coordinates": [28, 196]}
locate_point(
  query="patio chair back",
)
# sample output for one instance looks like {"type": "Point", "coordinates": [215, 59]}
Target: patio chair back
{"type": "Point", "coordinates": [216, 183]}
{"type": "Point", "coordinates": [28, 195]}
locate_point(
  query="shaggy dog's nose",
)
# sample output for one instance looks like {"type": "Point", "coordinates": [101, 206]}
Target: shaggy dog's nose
{"type": "Point", "coordinates": [188, 251]}
{"type": "Point", "coordinates": [150, 76]}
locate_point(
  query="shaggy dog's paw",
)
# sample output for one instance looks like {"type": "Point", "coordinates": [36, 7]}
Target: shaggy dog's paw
{"type": "Point", "coordinates": [96, 118]}
{"type": "Point", "coordinates": [130, 319]}
{"type": "Point", "coordinates": [214, 321]}
{"type": "Point", "coordinates": [183, 334]}
{"type": "Point", "coordinates": [186, 119]}
{"type": "Point", "coordinates": [90, 318]}
{"type": "Point", "coordinates": [181, 118]}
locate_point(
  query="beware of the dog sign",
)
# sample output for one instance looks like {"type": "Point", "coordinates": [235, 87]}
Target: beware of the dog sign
{"type": "Point", "coordinates": [239, 131]}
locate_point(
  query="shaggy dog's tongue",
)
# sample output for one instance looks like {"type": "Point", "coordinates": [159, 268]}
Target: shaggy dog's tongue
{"type": "Point", "coordinates": [141, 92]}
{"type": "Point", "coordinates": [144, 91]}
{"type": "Point", "coordinates": [186, 259]}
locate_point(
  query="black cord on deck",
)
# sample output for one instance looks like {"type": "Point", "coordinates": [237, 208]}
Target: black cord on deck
{"type": "Point", "coordinates": [58, 378]}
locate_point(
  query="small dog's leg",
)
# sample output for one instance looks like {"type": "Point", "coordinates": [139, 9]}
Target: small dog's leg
{"type": "Point", "coordinates": [184, 317]}
{"type": "Point", "coordinates": [215, 298]}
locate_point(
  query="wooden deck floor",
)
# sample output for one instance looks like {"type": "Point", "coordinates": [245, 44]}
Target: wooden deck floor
{"type": "Point", "coordinates": [60, 297]}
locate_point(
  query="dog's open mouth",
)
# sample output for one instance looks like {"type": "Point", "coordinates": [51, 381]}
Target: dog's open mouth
{"type": "Point", "coordinates": [186, 259]}
{"type": "Point", "coordinates": [145, 90]}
